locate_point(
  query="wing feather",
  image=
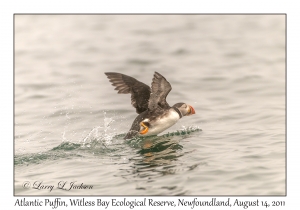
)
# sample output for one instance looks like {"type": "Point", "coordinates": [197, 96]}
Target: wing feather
{"type": "Point", "coordinates": [124, 84]}
{"type": "Point", "coordinates": [160, 89]}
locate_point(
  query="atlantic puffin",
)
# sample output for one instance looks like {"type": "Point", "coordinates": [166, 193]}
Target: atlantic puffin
{"type": "Point", "coordinates": [155, 114]}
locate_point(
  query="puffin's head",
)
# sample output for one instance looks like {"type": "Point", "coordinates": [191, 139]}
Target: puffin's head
{"type": "Point", "coordinates": [186, 110]}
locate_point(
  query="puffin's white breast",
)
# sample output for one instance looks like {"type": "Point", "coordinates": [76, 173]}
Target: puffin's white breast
{"type": "Point", "coordinates": [163, 123]}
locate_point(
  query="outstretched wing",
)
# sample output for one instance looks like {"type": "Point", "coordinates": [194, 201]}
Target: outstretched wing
{"type": "Point", "coordinates": [160, 88]}
{"type": "Point", "coordinates": [140, 92]}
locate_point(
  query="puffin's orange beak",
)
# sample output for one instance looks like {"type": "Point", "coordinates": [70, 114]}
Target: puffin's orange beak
{"type": "Point", "coordinates": [145, 128]}
{"type": "Point", "coordinates": [192, 110]}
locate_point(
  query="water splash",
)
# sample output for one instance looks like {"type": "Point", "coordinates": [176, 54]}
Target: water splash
{"type": "Point", "coordinates": [63, 135]}
{"type": "Point", "coordinates": [183, 131]}
{"type": "Point", "coordinates": [100, 134]}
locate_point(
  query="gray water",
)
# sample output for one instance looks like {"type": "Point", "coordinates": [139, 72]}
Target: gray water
{"type": "Point", "coordinates": [70, 122]}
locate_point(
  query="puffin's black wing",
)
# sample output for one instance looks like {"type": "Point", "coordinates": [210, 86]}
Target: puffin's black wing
{"type": "Point", "coordinates": [140, 92]}
{"type": "Point", "coordinates": [160, 89]}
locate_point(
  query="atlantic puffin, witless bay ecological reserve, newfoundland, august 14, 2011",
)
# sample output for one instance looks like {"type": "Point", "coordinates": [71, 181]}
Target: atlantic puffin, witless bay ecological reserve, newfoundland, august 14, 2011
{"type": "Point", "coordinates": [155, 114]}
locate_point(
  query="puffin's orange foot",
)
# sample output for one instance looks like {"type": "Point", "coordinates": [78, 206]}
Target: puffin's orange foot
{"type": "Point", "coordinates": [145, 130]}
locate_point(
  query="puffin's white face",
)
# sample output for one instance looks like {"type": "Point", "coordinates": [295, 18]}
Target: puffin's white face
{"type": "Point", "coordinates": [186, 110]}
